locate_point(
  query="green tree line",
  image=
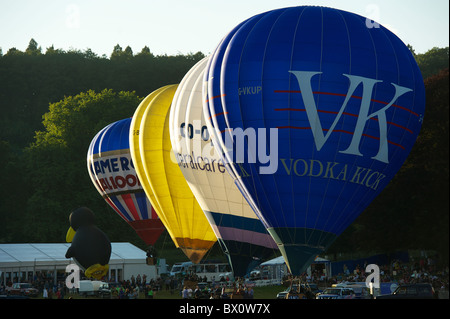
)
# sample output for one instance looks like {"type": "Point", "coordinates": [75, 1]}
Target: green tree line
{"type": "Point", "coordinates": [52, 104]}
{"type": "Point", "coordinates": [32, 80]}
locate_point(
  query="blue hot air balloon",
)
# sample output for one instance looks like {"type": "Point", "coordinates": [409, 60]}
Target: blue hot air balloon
{"type": "Point", "coordinates": [316, 109]}
{"type": "Point", "coordinates": [113, 175]}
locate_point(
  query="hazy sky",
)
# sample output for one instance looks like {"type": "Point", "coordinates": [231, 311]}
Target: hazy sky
{"type": "Point", "coordinates": [183, 26]}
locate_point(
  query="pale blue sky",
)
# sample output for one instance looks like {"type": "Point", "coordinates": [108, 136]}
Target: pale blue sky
{"type": "Point", "coordinates": [183, 26]}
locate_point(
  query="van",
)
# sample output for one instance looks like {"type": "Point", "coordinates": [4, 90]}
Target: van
{"type": "Point", "coordinates": [93, 288]}
{"type": "Point", "coordinates": [180, 269]}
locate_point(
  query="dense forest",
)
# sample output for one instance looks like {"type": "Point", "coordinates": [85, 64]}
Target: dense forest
{"type": "Point", "coordinates": [52, 104]}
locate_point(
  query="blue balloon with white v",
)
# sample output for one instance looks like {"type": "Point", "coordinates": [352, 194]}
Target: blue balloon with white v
{"type": "Point", "coordinates": [345, 101]}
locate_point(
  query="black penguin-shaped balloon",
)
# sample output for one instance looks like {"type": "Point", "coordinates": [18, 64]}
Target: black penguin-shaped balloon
{"type": "Point", "coordinates": [91, 248]}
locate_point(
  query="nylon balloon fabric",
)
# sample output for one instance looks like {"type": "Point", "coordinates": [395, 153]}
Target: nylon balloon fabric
{"type": "Point", "coordinates": [164, 182]}
{"type": "Point", "coordinates": [113, 175]}
{"type": "Point", "coordinates": [242, 236]}
{"type": "Point", "coordinates": [329, 106]}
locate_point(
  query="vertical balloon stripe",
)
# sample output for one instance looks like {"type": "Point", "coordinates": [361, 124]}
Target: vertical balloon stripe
{"type": "Point", "coordinates": [143, 204]}
{"type": "Point", "coordinates": [121, 207]}
{"type": "Point", "coordinates": [154, 215]}
{"type": "Point", "coordinates": [129, 202]}
{"type": "Point", "coordinates": [117, 210]}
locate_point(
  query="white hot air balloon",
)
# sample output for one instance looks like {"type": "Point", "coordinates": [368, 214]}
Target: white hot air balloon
{"type": "Point", "coordinates": [240, 233]}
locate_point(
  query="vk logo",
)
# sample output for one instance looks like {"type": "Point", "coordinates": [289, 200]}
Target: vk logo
{"type": "Point", "coordinates": [368, 85]}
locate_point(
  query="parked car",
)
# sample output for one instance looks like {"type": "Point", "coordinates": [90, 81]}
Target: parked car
{"type": "Point", "coordinates": [104, 290]}
{"type": "Point", "coordinates": [359, 288]}
{"type": "Point", "coordinates": [337, 293]}
{"type": "Point", "coordinates": [309, 290]}
{"type": "Point", "coordinates": [411, 291]}
{"type": "Point", "coordinates": [23, 289]}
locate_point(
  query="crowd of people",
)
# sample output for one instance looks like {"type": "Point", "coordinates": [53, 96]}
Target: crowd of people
{"type": "Point", "coordinates": [44, 282]}
{"type": "Point", "coordinates": [188, 287]}
{"type": "Point", "coordinates": [421, 270]}
{"type": "Point", "coordinates": [135, 287]}
{"type": "Point", "coordinates": [193, 287]}
{"type": "Point", "coordinates": [416, 272]}
{"type": "Point", "coordinates": [217, 291]}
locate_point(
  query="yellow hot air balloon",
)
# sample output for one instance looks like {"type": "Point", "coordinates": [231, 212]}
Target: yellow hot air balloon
{"type": "Point", "coordinates": [136, 155]}
{"type": "Point", "coordinates": [162, 178]}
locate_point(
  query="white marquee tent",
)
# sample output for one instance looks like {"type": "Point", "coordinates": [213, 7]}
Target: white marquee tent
{"type": "Point", "coordinates": [276, 268]}
{"type": "Point", "coordinates": [22, 261]}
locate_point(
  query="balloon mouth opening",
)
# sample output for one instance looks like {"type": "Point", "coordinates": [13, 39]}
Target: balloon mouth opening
{"type": "Point", "coordinates": [300, 246]}
{"type": "Point", "coordinates": [194, 249]}
{"type": "Point", "coordinates": [194, 255]}
{"type": "Point", "coordinates": [148, 230]}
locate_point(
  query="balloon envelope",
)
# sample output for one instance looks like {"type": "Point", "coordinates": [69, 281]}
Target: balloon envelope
{"type": "Point", "coordinates": [90, 248]}
{"type": "Point", "coordinates": [242, 236]}
{"type": "Point", "coordinates": [164, 182]}
{"type": "Point", "coordinates": [112, 171]}
{"type": "Point", "coordinates": [330, 105]}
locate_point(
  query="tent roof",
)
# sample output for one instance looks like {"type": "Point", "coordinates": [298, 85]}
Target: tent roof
{"type": "Point", "coordinates": [13, 253]}
{"type": "Point", "coordinates": [280, 260]}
